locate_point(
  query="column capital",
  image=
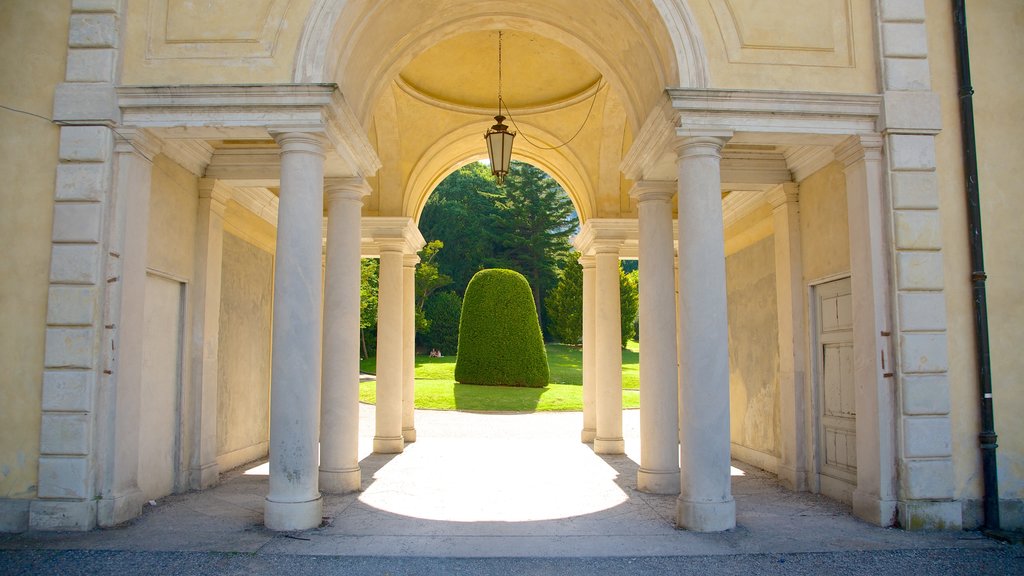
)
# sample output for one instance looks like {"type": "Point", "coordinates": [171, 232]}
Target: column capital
{"type": "Point", "coordinates": [705, 143]}
{"type": "Point", "coordinates": [139, 141]}
{"type": "Point", "coordinates": [653, 190]}
{"type": "Point", "coordinates": [391, 246]}
{"type": "Point", "coordinates": [587, 261]}
{"type": "Point", "coordinates": [300, 140]}
{"type": "Point", "coordinates": [785, 193]}
{"type": "Point", "coordinates": [860, 147]}
{"type": "Point", "coordinates": [347, 188]}
{"type": "Point", "coordinates": [216, 191]}
{"type": "Point", "coordinates": [410, 260]}
{"type": "Point", "coordinates": [607, 246]}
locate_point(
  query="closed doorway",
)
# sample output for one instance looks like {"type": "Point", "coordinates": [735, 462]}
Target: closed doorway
{"type": "Point", "coordinates": [160, 416]}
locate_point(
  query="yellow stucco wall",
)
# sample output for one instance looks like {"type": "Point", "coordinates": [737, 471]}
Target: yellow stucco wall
{"type": "Point", "coordinates": [243, 381]}
{"type": "Point", "coordinates": [223, 42]}
{"type": "Point", "coordinates": [813, 45]}
{"type": "Point", "coordinates": [824, 233]}
{"type": "Point", "coordinates": [996, 47]}
{"type": "Point", "coordinates": [753, 348]}
{"type": "Point", "coordinates": [172, 219]}
{"type": "Point", "coordinates": [33, 47]}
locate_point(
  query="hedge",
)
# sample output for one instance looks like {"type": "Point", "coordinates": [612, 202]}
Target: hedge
{"type": "Point", "coordinates": [500, 342]}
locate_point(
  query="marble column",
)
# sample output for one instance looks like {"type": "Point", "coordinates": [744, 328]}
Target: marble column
{"type": "Point", "coordinates": [789, 291]}
{"type": "Point", "coordinates": [409, 347]}
{"type": "Point", "coordinates": [209, 242]}
{"type": "Point", "coordinates": [294, 501]}
{"type": "Point", "coordinates": [608, 364]}
{"type": "Point", "coordinates": [659, 375]}
{"type": "Point", "coordinates": [705, 501]}
{"type": "Point", "coordinates": [589, 353]}
{"type": "Point", "coordinates": [339, 395]}
{"type": "Point", "coordinates": [390, 335]}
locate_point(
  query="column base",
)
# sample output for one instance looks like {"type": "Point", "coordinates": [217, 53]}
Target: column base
{"type": "Point", "coordinates": [288, 516]}
{"type": "Point", "coordinates": [706, 516]}
{"type": "Point", "coordinates": [340, 481]}
{"type": "Point", "coordinates": [409, 434]}
{"type": "Point", "coordinates": [587, 435]}
{"type": "Point", "coordinates": [204, 476]}
{"type": "Point", "coordinates": [792, 479]}
{"type": "Point", "coordinates": [609, 446]}
{"type": "Point", "coordinates": [388, 444]}
{"type": "Point", "coordinates": [657, 481]}
{"type": "Point", "coordinates": [120, 508]}
{"type": "Point", "coordinates": [873, 509]}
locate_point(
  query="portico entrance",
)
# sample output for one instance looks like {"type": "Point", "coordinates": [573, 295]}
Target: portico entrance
{"type": "Point", "coordinates": [384, 100]}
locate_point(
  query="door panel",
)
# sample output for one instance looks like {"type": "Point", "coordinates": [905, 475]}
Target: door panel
{"type": "Point", "coordinates": [836, 390]}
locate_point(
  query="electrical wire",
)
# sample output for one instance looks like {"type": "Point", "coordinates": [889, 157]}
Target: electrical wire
{"type": "Point", "coordinates": [519, 130]}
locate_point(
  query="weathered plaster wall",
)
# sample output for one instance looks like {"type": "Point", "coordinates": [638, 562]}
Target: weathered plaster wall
{"type": "Point", "coordinates": [825, 235]}
{"type": "Point", "coordinates": [33, 51]}
{"type": "Point", "coordinates": [753, 348]}
{"type": "Point", "coordinates": [223, 42]}
{"type": "Point", "coordinates": [243, 382]}
{"type": "Point", "coordinates": [996, 46]}
{"type": "Point", "coordinates": [815, 45]}
{"type": "Point", "coordinates": [172, 219]}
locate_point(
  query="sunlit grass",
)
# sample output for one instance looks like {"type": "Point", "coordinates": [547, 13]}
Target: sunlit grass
{"type": "Point", "coordinates": [436, 388]}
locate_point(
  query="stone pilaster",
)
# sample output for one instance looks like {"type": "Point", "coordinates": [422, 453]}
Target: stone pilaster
{"type": "Point", "coordinates": [209, 242]}
{"type": "Point", "coordinates": [294, 501]}
{"type": "Point", "coordinates": [659, 375]}
{"type": "Point", "coordinates": [79, 377]}
{"type": "Point", "coordinates": [339, 394]}
{"type": "Point", "coordinates": [911, 118]}
{"type": "Point", "coordinates": [705, 502]}
{"type": "Point", "coordinates": [789, 290]}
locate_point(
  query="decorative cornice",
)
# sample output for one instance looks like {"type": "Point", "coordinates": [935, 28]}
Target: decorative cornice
{"type": "Point", "coordinates": [192, 155]}
{"type": "Point", "coordinates": [739, 204]}
{"type": "Point", "coordinates": [651, 144]}
{"type": "Point", "coordinates": [806, 160]}
{"type": "Point", "coordinates": [775, 111]}
{"type": "Point", "coordinates": [252, 111]}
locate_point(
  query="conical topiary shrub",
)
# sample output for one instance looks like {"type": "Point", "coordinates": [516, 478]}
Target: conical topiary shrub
{"type": "Point", "coordinates": [500, 343]}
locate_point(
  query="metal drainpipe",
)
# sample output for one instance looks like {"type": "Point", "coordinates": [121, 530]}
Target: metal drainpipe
{"type": "Point", "coordinates": [987, 436]}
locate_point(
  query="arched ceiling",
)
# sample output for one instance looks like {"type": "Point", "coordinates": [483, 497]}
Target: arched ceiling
{"type": "Point", "coordinates": [462, 71]}
{"type": "Point", "coordinates": [421, 73]}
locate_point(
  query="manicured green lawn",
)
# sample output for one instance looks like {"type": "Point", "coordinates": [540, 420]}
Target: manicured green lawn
{"type": "Point", "coordinates": [436, 388]}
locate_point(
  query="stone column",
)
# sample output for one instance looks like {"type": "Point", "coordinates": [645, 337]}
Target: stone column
{"type": "Point", "coordinates": [874, 499]}
{"type": "Point", "coordinates": [705, 501]}
{"type": "Point", "coordinates": [608, 364]}
{"type": "Point", "coordinates": [388, 438]}
{"type": "Point", "coordinates": [339, 395]}
{"type": "Point", "coordinates": [409, 347]}
{"type": "Point", "coordinates": [659, 375]}
{"type": "Point", "coordinates": [589, 352]}
{"type": "Point", "coordinates": [789, 290]}
{"type": "Point", "coordinates": [294, 501]}
{"type": "Point", "coordinates": [209, 242]}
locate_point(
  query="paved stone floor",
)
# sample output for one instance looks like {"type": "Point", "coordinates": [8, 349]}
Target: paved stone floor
{"type": "Point", "coordinates": [501, 486]}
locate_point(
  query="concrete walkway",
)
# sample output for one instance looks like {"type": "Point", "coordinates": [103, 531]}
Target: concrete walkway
{"type": "Point", "coordinates": [502, 486]}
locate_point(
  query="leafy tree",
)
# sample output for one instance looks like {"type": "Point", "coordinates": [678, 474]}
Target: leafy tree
{"type": "Point", "coordinates": [629, 303]}
{"type": "Point", "coordinates": [443, 310]}
{"type": "Point", "coordinates": [565, 303]}
{"type": "Point", "coordinates": [524, 226]}
{"type": "Point", "coordinates": [368, 278]}
{"type": "Point", "coordinates": [531, 225]}
{"type": "Point", "coordinates": [428, 280]}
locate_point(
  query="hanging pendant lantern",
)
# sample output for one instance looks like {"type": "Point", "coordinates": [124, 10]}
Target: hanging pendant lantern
{"type": "Point", "coordinates": [499, 139]}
